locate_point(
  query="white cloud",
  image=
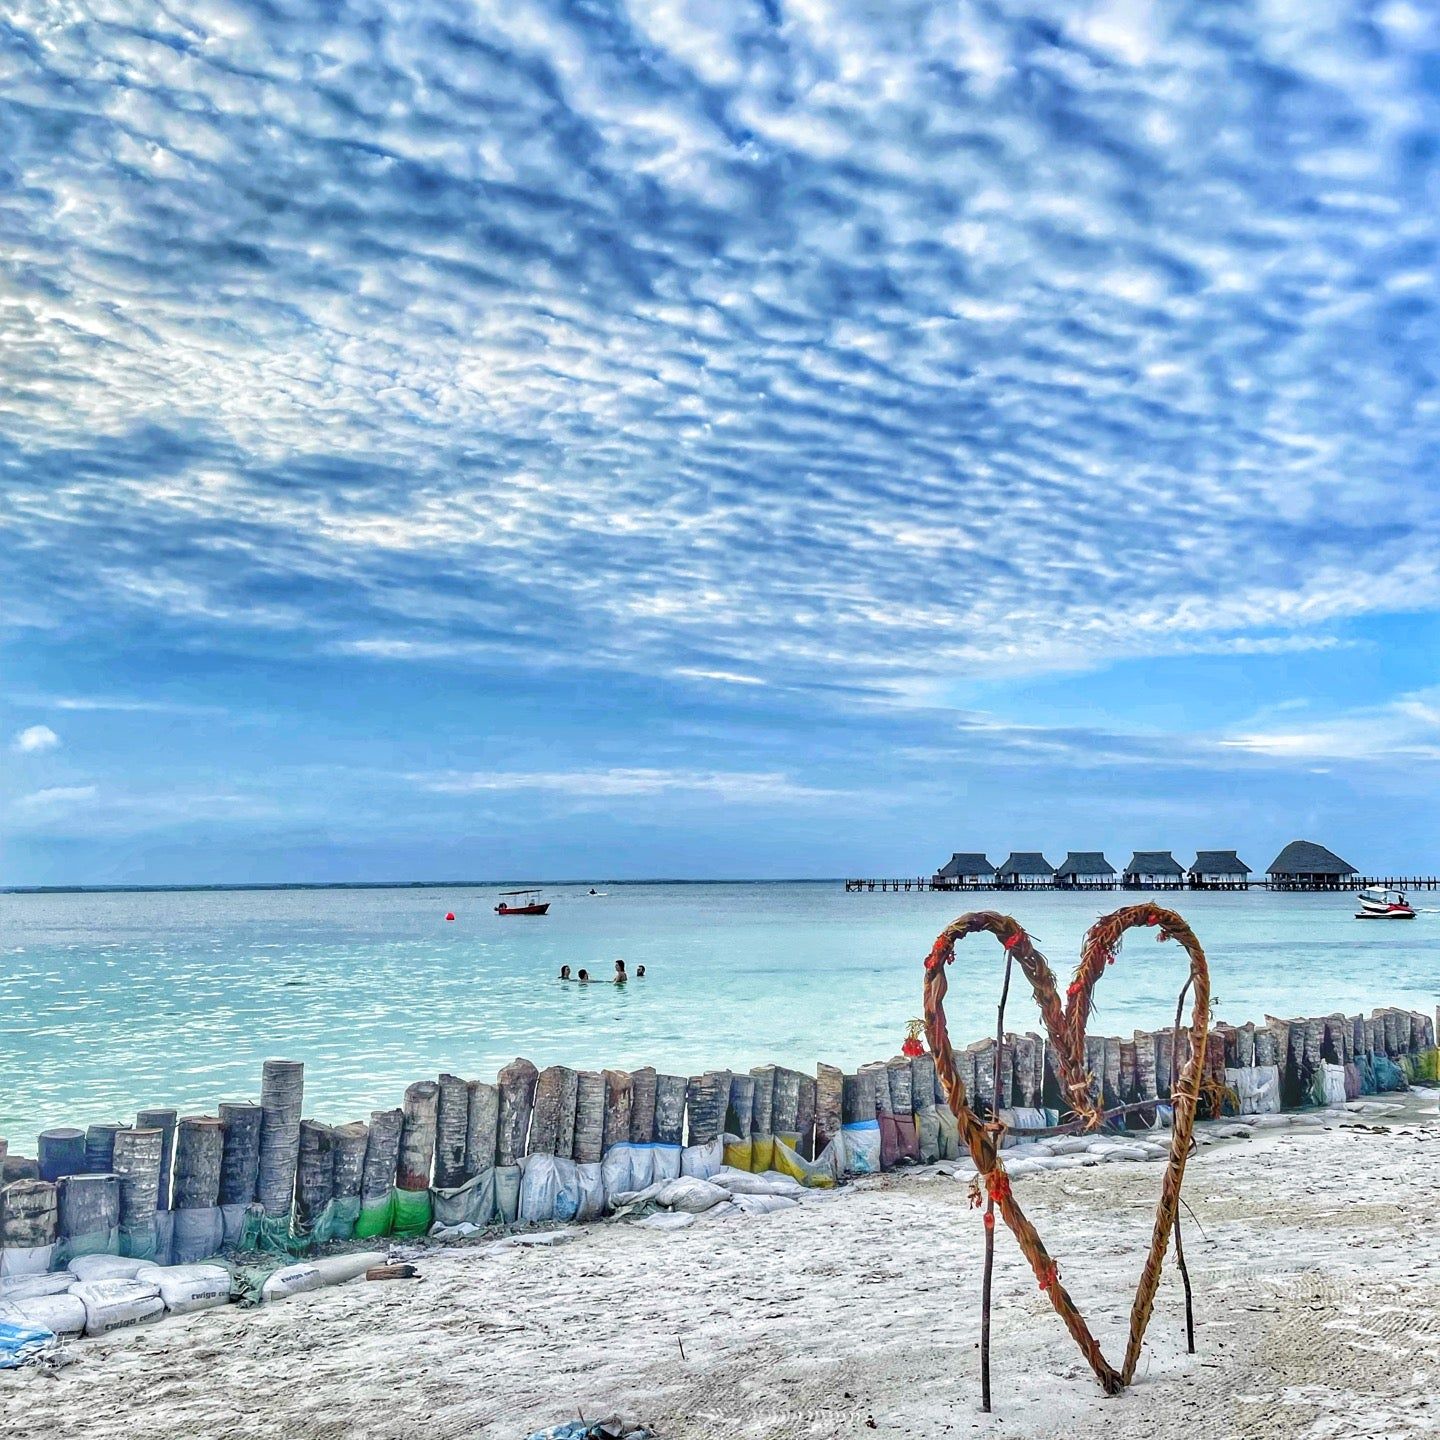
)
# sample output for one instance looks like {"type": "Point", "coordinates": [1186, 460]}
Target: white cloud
{"type": "Point", "coordinates": [1406, 729]}
{"type": "Point", "coordinates": [57, 797]}
{"type": "Point", "coordinates": [624, 781]}
{"type": "Point", "coordinates": [34, 739]}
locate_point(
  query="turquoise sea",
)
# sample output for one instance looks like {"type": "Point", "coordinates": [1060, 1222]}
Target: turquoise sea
{"type": "Point", "coordinates": [113, 1001]}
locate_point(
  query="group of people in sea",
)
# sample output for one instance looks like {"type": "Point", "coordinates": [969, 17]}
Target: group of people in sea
{"type": "Point", "coordinates": [619, 978]}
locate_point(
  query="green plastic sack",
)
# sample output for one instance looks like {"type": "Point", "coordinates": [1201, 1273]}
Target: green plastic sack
{"type": "Point", "coordinates": [376, 1219]}
{"type": "Point", "coordinates": [412, 1212]}
{"type": "Point", "coordinates": [271, 1234]}
{"type": "Point", "coordinates": [337, 1220]}
{"type": "Point", "coordinates": [1427, 1066]}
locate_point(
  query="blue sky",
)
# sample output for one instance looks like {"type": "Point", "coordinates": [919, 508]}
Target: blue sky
{"type": "Point", "coordinates": [666, 438]}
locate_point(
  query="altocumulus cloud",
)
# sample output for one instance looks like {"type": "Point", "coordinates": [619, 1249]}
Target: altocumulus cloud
{"type": "Point", "coordinates": [743, 341]}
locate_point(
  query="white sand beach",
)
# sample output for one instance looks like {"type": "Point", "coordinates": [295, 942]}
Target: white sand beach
{"type": "Point", "coordinates": [1314, 1251]}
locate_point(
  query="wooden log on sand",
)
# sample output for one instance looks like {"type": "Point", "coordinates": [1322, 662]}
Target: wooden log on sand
{"type": "Point", "coordinates": [282, 1093]}
{"type": "Point", "coordinates": [670, 1092]}
{"type": "Point", "coordinates": [417, 1135]}
{"type": "Point", "coordinates": [589, 1117]}
{"type": "Point", "coordinates": [452, 1125]}
{"type": "Point", "coordinates": [240, 1151]}
{"type": "Point", "coordinates": [517, 1100]}
{"type": "Point", "coordinates": [829, 1102]}
{"type": "Point", "coordinates": [642, 1105]}
{"type": "Point", "coordinates": [199, 1152]}
{"type": "Point", "coordinates": [482, 1127]}
{"type": "Point", "coordinates": [164, 1118]}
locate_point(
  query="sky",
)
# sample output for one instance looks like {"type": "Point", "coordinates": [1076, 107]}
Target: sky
{"type": "Point", "coordinates": [662, 438]}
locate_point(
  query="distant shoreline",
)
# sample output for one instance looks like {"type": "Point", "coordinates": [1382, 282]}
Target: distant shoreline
{"type": "Point", "coordinates": [384, 885]}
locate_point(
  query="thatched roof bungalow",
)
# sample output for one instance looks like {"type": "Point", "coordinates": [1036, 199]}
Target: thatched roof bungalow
{"type": "Point", "coordinates": [1153, 870]}
{"type": "Point", "coordinates": [1219, 870]}
{"type": "Point", "coordinates": [964, 870]}
{"type": "Point", "coordinates": [1025, 870]}
{"type": "Point", "coordinates": [1085, 870]}
{"type": "Point", "coordinates": [1304, 865]}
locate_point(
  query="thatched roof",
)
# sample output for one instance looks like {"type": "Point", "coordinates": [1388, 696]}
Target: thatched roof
{"type": "Point", "coordinates": [1218, 862]}
{"type": "Point", "coordinates": [1085, 862]}
{"type": "Point", "coordinates": [1153, 862]}
{"type": "Point", "coordinates": [964, 863]}
{"type": "Point", "coordinates": [1026, 862]}
{"type": "Point", "coordinates": [1304, 857]}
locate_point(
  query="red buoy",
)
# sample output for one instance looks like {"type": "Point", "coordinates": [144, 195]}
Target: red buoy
{"type": "Point", "coordinates": [449, 914]}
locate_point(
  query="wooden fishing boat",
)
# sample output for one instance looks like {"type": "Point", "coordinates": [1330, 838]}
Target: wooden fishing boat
{"type": "Point", "coordinates": [530, 903]}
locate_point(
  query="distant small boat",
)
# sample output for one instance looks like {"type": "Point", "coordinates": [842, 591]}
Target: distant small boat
{"type": "Point", "coordinates": [1384, 905]}
{"type": "Point", "coordinates": [596, 894]}
{"type": "Point", "coordinates": [531, 904]}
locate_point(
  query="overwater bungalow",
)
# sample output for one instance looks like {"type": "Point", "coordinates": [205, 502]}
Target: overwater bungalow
{"type": "Point", "coordinates": [1304, 865]}
{"type": "Point", "coordinates": [1153, 870]}
{"type": "Point", "coordinates": [964, 871]}
{"type": "Point", "coordinates": [1219, 870]}
{"type": "Point", "coordinates": [1085, 870]}
{"type": "Point", "coordinates": [1025, 870]}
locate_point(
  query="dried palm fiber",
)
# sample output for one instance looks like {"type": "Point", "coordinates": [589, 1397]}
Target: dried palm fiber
{"type": "Point", "coordinates": [100, 1146]}
{"type": "Point", "coordinates": [240, 1151]}
{"type": "Point", "coordinates": [551, 1087]}
{"type": "Point", "coordinates": [805, 1117]}
{"type": "Point", "coordinates": [517, 1100]}
{"type": "Point", "coordinates": [282, 1093]}
{"type": "Point", "coordinates": [199, 1151]}
{"type": "Point", "coordinates": [164, 1118]}
{"type": "Point", "coordinates": [589, 1117]}
{"type": "Point", "coordinates": [417, 1135]}
{"type": "Point", "coordinates": [642, 1105]}
{"type": "Point", "coordinates": [670, 1093]}
{"type": "Point", "coordinates": [785, 1105]}
{"type": "Point", "coordinates": [1065, 1028]}
{"type": "Point", "coordinates": [382, 1156]}
{"type": "Point", "coordinates": [705, 1100]}
{"type": "Point", "coordinates": [29, 1215]}
{"type": "Point", "coordinates": [829, 1100]}
{"type": "Point", "coordinates": [619, 1098]}
{"type": "Point", "coordinates": [137, 1163]}
{"type": "Point", "coordinates": [482, 1126]}
{"type": "Point", "coordinates": [61, 1152]}
{"type": "Point", "coordinates": [741, 1109]}
{"type": "Point", "coordinates": [1024, 1067]}
{"type": "Point", "coordinates": [452, 1125]}
{"type": "Point", "coordinates": [314, 1177]}
{"type": "Point", "coordinates": [351, 1141]}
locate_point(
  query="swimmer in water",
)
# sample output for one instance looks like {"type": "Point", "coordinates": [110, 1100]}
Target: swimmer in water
{"type": "Point", "coordinates": [583, 977]}
{"type": "Point", "coordinates": [639, 972]}
{"type": "Point", "coordinates": [620, 976]}
{"type": "Point", "coordinates": [565, 972]}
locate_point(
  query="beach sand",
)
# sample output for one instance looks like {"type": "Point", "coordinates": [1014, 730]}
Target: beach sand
{"type": "Point", "coordinates": [1314, 1252]}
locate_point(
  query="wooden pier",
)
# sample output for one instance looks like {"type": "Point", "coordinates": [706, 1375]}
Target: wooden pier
{"type": "Point", "coordinates": [1340, 885]}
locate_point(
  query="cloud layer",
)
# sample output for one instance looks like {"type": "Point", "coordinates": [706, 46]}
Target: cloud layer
{"type": "Point", "coordinates": [764, 343]}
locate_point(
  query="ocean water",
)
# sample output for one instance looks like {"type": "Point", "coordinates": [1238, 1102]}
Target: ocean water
{"type": "Point", "coordinates": [109, 1002]}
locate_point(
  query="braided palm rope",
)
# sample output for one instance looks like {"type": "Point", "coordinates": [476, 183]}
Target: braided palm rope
{"type": "Point", "coordinates": [1065, 1027]}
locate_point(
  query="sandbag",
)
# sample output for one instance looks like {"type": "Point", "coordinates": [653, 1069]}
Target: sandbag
{"type": "Point", "coordinates": [625, 1167]}
{"type": "Point", "coordinates": [927, 1133]}
{"type": "Point", "coordinates": [20, 1343]}
{"type": "Point", "coordinates": [702, 1161]}
{"type": "Point", "coordinates": [507, 1193]}
{"type": "Point", "coordinates": [199, 1233]}
{"type": "Point", "coordinates": [106, 1267]}
{"type": "Point", "coordinates": [188, 1288]}
{"type": "Point", "coordinates": [549, 1188]}
{"type": "Point", "coordinates": [738, 1152]}
{"type": "Point", "coordinates": [318, 1274]}
{"type": "Point", "coordinates": [472, 1203]}
{"type": "Point", "coordinates": [949, 1128]}
{"type": "Point", "coordinates": [763, 1204]}
{"type": "Point", "coordinates": [1329, 1086]}
{"type": "Point", "coordinates": [817, 1174]}
{"type": "Point", "coordinates": [1388, 1075]}
{"type": "Point", "coordinates": [115, 1304]}
{"type": "Point", "coordinates": [62, 1314]}
{"type": "Point", "coordinates": [410, 1211]}
{"type": "Point", "coordinates": [741, 1182]}
{"type": "Point", "coordinates": [591, 1183]}
{"type": "Point", "coordinates": [860, 1147]}
{"type": "Point", "coordinates": [666, 1161]}
{"type": "Point", "coordinates": [27, 1287]}
{"type": "Point", "coordinates": [1257, 1087]}
{"type": "Point", "coordinates": [691, 1194]}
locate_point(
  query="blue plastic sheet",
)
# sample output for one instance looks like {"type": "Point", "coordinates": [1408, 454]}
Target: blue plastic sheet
{"type": "Point", "coordinates": [19, 1343]}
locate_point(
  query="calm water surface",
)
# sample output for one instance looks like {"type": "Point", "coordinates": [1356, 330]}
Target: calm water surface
{"type": "Point", "coordinates": [110, 1002]}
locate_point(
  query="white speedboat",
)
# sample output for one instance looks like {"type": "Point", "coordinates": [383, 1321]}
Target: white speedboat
{"type": "Point", "coordinates": [1384, 905]}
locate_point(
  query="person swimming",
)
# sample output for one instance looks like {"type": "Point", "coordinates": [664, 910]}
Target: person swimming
{"type": "Point", "coordinates": [639, 972]}
{"type": "Point", "coordinates": [620, 976]}
{"type": "Point", "coordinates": [565, 972]}
{"type": "Point", "coordinates": [583, 977]}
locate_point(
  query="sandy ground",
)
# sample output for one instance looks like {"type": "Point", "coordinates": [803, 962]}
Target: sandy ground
{"type": "Point", "coordinates": [1317, 1280]}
